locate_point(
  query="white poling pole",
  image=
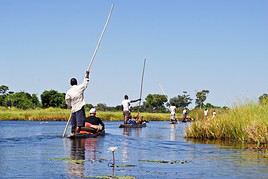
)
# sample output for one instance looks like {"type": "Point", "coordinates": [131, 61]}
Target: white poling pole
{"type": "Point", "coordinates": [100, 38]}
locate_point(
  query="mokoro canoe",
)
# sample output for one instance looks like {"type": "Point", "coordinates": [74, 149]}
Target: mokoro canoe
{"type": "Point", "coordinates": [81, 136]}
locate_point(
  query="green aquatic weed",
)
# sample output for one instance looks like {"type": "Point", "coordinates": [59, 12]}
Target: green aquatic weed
{"type": "Point", "coordinates": [166, 161]}
{"type": "Point", "coordinates": [69, 160]}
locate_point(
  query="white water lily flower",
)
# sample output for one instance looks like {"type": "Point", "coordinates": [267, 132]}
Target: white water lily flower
{"type": "Point", "coordinates": [112, 149]}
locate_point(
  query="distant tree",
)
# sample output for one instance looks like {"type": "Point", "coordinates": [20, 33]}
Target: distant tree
{"type": "Point", "coordinates": [209, 105]}
{"type": "Point", "coordinates": [35, 101]}
{"type": "Point", "coordinates": [2, 100]}
{"type": "Point", "coordinates": [101, 107]}
{"type": "Point", "coordinates": [155, 103]}
{"type": "Point", "coordinates": [118, 108]}
{"type": "Point", "coordinates": [21, 100]}
{"type": "Point", "coordinates": [225, 108]}
{"type": "Point", "coordinates": [88, 107]}
{"type": "Point", "coordinates": [201, 97]}
{"type": "Point", "coordinates": [52, 98]}
{"type": "Point", "coordinates": [3, 89]}
{"type": "Point", "coordinates": [263, 99]}
{"type": "Point", "coordinates": [181, 101]}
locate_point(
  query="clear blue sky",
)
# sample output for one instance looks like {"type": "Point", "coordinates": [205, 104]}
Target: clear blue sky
{"type": "Point", "coordinates": [190, 45]}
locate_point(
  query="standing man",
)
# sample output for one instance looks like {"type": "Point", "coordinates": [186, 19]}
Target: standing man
{"type": "Point", "coordinates": [126, 107]}
{"type": "Point", "coordinates": [206, 113]}
{"type": "Point", "coordinates": [184, 114]}
{"type": "Point", "coordinates": [213, 114]}
{"type": "Point", "coordinates": [74, 98]}
{"type": "Point", "coordinates": [172, 110]}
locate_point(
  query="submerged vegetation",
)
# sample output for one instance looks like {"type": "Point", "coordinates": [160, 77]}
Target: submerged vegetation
{"type": "Point", "coordinates": [245, 124]}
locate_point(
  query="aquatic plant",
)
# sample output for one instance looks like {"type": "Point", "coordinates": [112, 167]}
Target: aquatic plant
{"type": "Point", "coordinates": [113, 149]}
{"type": "Point", "coordinates": [166, 161]}
{"type": "Point", "coordinates": [247, 123]}
{"type": "Point", "coordinates": [68, 159]}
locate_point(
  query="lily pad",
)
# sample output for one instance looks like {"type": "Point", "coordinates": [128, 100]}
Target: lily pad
{"type": "Point", "coordinates": [68, 159]}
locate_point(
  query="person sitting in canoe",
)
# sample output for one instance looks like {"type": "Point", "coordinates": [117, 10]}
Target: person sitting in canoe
{"type": "Point", "coordinates": [139, 119]}
{"type": "Point", "coordinates": [74, 99]}
{"type": "Point", "coordinates": [94, 122]}
{"type": "Point", "coordinates": [126, 108]}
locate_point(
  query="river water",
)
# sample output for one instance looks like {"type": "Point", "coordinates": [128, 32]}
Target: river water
{"type": "Point", "coordinates": [30, 149]}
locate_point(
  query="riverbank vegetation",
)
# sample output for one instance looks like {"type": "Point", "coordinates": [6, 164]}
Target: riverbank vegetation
{"type": "Point", "coordinates": [246, 124]}
{"type": "Point", "coordinates": [58, 114]}
{"type": "Point", "coordinates": [50, 105]}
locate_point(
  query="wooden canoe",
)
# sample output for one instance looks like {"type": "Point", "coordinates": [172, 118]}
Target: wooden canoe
{"type": "Point", "coordinates": [81, 136]}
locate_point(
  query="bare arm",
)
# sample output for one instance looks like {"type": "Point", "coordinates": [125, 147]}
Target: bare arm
{"type": "Point", "coordinates": [133, 101]}
{"type": "Point", "coordinates": [85, 81]}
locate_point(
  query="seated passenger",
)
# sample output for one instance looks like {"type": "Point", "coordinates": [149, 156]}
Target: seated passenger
{"type": "Point", "coordinates": [93, 124]}
{"type": "Point", "coordinates": [139, 119]}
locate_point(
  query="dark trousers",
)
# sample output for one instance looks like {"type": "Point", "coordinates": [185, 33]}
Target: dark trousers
{"type": "Point", "coordinates": [78, 119]}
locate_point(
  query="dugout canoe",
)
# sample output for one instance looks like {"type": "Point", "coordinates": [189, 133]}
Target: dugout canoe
{"type": "Point", "coordinates": [82, 136]}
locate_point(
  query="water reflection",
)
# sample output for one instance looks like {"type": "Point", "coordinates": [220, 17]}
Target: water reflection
{"type": "Point", "coordinates": [172, 133]}
{"type": "Point", "coordinates": [91, 148]}
{"type": "Point", "coordinates": [132, 132]}
{"type": "Point", "coordinates": [77, 155]}
{"type": "Point", "coordinates": [82, 150]}
{"type": "Point", "coordinates": [126, 131]}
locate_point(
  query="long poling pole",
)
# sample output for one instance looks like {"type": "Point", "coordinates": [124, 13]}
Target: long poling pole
{"type": "Point", "coordinates": [66, 126]}
{"type": "Point", "coordinates": [142, 81]}
{"type": "Point", "coordinates": [162, 89]}
{"type": "Point", "coordinates": [93, 56]}
{"type": "Point", "coordinates": [100, 38]}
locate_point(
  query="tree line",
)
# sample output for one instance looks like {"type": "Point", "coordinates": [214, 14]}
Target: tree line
{"type": "Point", "coordinates": [53, 98]}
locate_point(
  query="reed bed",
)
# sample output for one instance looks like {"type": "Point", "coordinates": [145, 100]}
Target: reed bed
{"type": "Point", "coordinates": [58, 114]}
{"type": "Point", "coordinates": [246, 124]}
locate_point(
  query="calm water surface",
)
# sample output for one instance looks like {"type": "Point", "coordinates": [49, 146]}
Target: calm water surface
{"type": "Point", "coordinates": [37, 150]}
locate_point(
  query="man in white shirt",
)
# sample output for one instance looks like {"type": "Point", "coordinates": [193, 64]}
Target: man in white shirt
{"type": "Point", "coordinates": [184, 114]}
{"type": "Point", "coordinates": [172, 110]}
{"type": "Point", "coordinates": [206, 113]}
{"type": "Point", "coordinates": [213, 114]}
{"type": "Point", "coordinates": [126, 107]}
{"type": "Point", "coordinates": [74, 98]}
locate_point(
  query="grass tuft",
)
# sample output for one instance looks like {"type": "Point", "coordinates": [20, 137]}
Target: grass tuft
{"type": "Point", "coordinates": [246, 124]}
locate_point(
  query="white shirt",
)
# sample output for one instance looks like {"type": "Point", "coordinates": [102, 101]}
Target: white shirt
{"type": "Point", "coordinates": [206, 112]}
{"type": "Point", "coordinates": [126, 104]}
{"type": "Point", "coordinates": [184, 111]}
{"type": "Point", "coordinates": [172, 109]}
{"type": "Point", "coordinates": [75, 96]}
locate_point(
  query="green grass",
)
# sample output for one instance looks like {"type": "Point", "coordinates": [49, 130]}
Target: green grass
{"type": "Point", "coordinates": [58, 114]}
{"type": "Point", "coordinates": [245, 124]}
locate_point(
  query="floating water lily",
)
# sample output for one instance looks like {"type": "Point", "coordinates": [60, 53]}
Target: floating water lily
{"type": "Point", "coordinates": [113, 149]}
